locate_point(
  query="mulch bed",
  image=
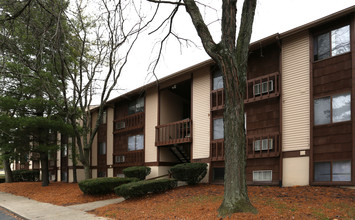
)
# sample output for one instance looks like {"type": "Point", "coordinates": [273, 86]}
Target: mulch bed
{"type": "Point", "coordinates": [202, 202]}
{"type": "Point", "coordinates": [57, 193]}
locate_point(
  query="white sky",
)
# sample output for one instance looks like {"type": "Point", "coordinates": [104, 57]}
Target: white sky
{"type": "Point", "coordinates": [272, 16]}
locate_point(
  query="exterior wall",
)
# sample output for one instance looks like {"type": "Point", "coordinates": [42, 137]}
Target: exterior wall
{"type": "Point", "coordinates": [201, 84]}
{"type": "Point", "coordinates": [295, 93]}
{"type": "Point", "coordinates": [158, 171]}
{"type": "Point", "coordinates": [110, 172]}
{"type": "Point", "coordinates": [170, 107]}
{"type": "Point", "coordinates": [109, 145]}
{"type": "Point", "coordinates": [80, 174]}
{"type": "Point", "coordinates": [151, 120]}
{"type": "Point", "coordinates": [94, 173]}
{"type": "Point", "coordinates": [166, 155]}
{"type": "Point", "coordinates": [295, 171]}
{"type": "Point", "coordinates": [94, 144]}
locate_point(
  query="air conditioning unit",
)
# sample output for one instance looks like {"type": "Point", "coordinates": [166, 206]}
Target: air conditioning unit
{"type": "Point", "coordinates": [256, 89]}
{"type": "Point", "coordinates": [265, 145]}
{"type": "Point", "coordinates": [264, 87]}
{"type": "Point", "coordinates": [120, 159]}
{"type": "Point", "coordinates": [120, 125]}
{"type": "Point", "coordinates": [257, 145]}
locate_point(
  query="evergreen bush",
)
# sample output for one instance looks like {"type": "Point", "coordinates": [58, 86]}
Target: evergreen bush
{"type": "Point", "coordinates": [25, 175]}
{"type": "Point", "coordinates": [144, 187]}
{"type": "Point", "coordinates": [192, 173]}
{"type": "Point", "coordinates": [103, 185]}
{"type": "Point", "coordinates": [139, 172]}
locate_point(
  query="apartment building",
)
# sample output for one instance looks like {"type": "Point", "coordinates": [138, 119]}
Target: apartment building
{"type": "Point", "coordinates": [299, 105]}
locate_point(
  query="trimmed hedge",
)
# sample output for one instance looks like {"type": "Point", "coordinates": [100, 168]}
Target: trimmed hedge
{"type": "Point", "coordinates": [144, 187]}
{"type": "Point", "coordinates": [25, 175]}
{"type": "Point", "coordinates": [139, 172]}
{"type": "Point", "coordinates": [103, 185]}
{"type": "Point", "coordinates": [192, 173]}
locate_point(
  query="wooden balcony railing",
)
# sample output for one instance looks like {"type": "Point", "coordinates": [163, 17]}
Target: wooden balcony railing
{"type": "Point", "coordinates": [263, 87]}
{"type": "Point", "coordinates": [260, 146]}
{"type": "Point", "coordinates": [217, 99]}
{"type": "Point", "coordinates": [217, 150]}
{"type": "Point", "coordinates": [173, 133]}
{"type": "Point", "coordinates": [130, 158]}
{"type": "Point", "coordinates": [130, 122]}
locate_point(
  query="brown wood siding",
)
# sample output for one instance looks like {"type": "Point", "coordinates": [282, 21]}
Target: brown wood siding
{"type": "Point", "coordinates": [263, 117]}
{"type": "Point", "coordinates": [263, 61]}
{"type": "Point", "coordinates": [263, 164]}
{"type": "Point", "coordinates": [102, 159]}
{"type": "Point", "coordinates": [332, 76]}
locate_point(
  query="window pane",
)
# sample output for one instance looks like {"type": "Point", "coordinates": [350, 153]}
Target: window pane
{"type": "Point", "coordinates": [322, 111]}
{"type": "Point", "coordinates": [341, 107]}
{"type": "Point", "coordinates": [132, 108]}
{"type": "Point", "coordinates": [139, 142]}
{"type": "Point", "coordinates": [102, 148]}
{"type": "Point", "coordinates": [217, 80]}
{"type": "Point", "coordinates": [322, 171]}
{"type": "Point", "coordinates": [341, 40]}
{"type": "Point", "coordinates": [323, 42]}
{"type": "Point", "coordinates": [140, 105]}
{"type": "Point", "coordinates": [342, 171]}
{"type": "Point", "coordinates": [131, 143]}
{"type": "Point", "coordinates": [218, 129]}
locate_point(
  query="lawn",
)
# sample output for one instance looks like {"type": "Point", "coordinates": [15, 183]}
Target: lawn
{"type": "Point", "coordinates": [202, 202]}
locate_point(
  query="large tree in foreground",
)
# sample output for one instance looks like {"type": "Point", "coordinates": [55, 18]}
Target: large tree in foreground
{"type": "Point", "coordinates": [231, 56]}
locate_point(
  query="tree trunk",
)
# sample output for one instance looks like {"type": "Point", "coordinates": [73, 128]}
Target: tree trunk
{"type": "Point", "coordinates": [8, 172]}
{"type": "Point", "coordinates": [44, 168]}
{"type": "Point", "coordinates": [235, 188]}
{"type": "Point", "coordinates": [73, 153]}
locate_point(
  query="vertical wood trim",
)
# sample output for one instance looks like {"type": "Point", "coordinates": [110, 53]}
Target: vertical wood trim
{"type": "Point", "coordinates": [352, 48]}
{"type": "Point", "coordinates": [311, 103]}
{"type": "Point", "coordinates": [280, 111]}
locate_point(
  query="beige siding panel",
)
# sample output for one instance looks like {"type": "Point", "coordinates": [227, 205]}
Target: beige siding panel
{"type": "Point", "coordinates": [201, 113]}
{"type": "Point", "coordinates": [295, 171]}
{"type": "Point", "coordinates": [151, 120]}
{"type": "Point", "coordinates": [295, 93]}
{"type": "Point", "coordinates": [80, 174]}
{"type": "Point", "coordinates": [110, 118]}
{"type": "Point", "coordinates": [94, 144]}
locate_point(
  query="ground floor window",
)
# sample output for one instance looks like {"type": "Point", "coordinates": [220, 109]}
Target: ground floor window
{"type": "Point", "coordinates": [101, 174]}
{"type": "Point", "coordinates": [262, 175]}
{"type": "Point", "coordinates": [218, 174]}
{"type": "Point", "coordinates": [332, 171]}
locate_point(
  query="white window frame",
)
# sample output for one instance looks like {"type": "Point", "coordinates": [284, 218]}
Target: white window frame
{"type": "Point", "coordinates": [260, 173]}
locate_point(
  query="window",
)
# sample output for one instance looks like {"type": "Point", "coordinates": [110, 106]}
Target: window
{"type": "Point", "coordinates": [64, 150]}
{"type": "Point", "coordinates": [262, 175]}
{"type": "Point", "coordinates": [136, 142]}
{"type": "Point", "coordinates": [102, 148]}
{"type": "Point", "coordinates": [263, 144]}
{"type": "Point", "coordinates": [120, 159]}
{"type": "Point", "coordinates": [332, 171]}
{"type": "Point", "coordinates": [217, 80]}
{"type": "Point", "coordinates": [332, 43]}
{"type": "Point", "coordinates": [332, 109]}
{"type": "Point", "coordinates": [101, 174]}
{"type": "Point", "coordinates": [218, 129]}
{"type": "Point", "coordinates": [104, 117]}
{"type": "Point", "coordinates": [264, 87]}
{"type": "Point", "coordinates": [136, 106]}
{"type": "Point", "coordinates": [218, 174]}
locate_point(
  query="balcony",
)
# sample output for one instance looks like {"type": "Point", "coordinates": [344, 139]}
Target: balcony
{"type": "Point", "coordinates": [173, 133]}
{"type": "Point", "coordinates": [217, 99]}
{"type": "Point", "coordinates": [217, 150]}
{"type": "Point", "coordinates": [262, 146]}
{"type": "Point", "coordinates": [263, 87]}
{"type": "Point", "coordinates": [130, 158]}
{"type": "Point", "coordinates": [130, 122]}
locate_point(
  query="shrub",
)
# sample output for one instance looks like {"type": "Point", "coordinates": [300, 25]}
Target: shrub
{"type": "Point", "coordinates": [2, 178]}
{"type": "Point", "coordinates": [141, 188]}
{"type": "Point", "coordinates": [139, 172]}
{"type": "Point", "coordinates": [192, 173]}
{"type": "Point", "coordinates": [103, 185]}
{"type": "Point", "coordinates": [25, 175]}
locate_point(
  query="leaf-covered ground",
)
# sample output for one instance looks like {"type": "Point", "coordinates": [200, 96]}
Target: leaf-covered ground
{"type": "Point", "coordinates": [202, 202]}
{"type": "Point", "coordinates": [56, 193]}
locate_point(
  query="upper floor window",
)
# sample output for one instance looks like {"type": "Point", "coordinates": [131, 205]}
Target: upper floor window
{"type": "Point", "coordinates": [104, 117]}
{"type": "Point", "coordinates": [332, 43]}
{"type": "Point", "coordinates": [136, 142]}
{"type": "Point", "coordinates": [332, 109]}
{"type": "Point", "coordinates": [218, 128]}
{"type": "Point", "coordinates": [136, 106]}
{"type": "Point", "coordinates": [102, 148]}
{"type": "Point", "coordinates": [217, 80]}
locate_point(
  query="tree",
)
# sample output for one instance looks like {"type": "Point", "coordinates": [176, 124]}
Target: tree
{"type": "Point", "coordinates": [231, 56]}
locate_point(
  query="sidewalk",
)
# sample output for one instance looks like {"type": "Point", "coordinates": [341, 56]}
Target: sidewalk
{"type": "Point", "coordinates": [31, 209]}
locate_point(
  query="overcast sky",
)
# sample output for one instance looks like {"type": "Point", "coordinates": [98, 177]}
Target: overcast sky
{"type": "Point", "coordinates": [272, 16]}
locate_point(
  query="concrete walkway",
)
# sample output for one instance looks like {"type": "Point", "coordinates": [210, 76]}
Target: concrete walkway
{"type": "Point", "coordinates": [31, 209]}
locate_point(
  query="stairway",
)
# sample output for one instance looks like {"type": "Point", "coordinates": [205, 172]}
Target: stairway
{"type": "Point", "coordinates": [179, 152]}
